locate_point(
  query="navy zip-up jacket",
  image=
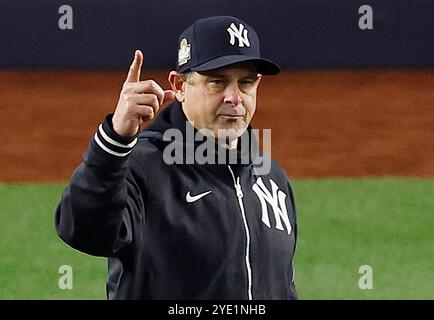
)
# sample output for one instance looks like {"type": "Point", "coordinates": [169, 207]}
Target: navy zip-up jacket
{"type": "Point", "coordinates": [179, 231]}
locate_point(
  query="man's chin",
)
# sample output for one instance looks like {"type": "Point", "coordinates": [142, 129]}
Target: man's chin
{"type": "Point", "coordinates": [225, 131]}
{"type": "Point", "coordinates": [229, 134]}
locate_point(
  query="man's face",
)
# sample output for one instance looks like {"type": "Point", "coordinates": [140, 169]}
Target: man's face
{"type": "Point", "coordinates": [222, 100]}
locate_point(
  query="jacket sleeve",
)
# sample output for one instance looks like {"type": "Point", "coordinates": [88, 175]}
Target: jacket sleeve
{"type": "Point", "coordinates": [101, 212]}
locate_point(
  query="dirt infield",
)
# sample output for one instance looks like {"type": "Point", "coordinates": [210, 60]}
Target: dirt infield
{"type": "Point", "coordinates": [324, 123]}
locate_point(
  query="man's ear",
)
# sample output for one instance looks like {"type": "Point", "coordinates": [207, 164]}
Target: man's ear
{"type": "Point", "coordinates": [177, 81]}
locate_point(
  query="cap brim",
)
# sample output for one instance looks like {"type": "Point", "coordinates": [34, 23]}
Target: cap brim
{"type": "Point", "coordinates": [264, 66]}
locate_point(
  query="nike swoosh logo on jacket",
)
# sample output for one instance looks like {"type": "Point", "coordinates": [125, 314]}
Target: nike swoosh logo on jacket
{"type": "Point", "coordinates": [189, 198]}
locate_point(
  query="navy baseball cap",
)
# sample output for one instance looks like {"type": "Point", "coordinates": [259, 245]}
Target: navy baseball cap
{"type": "Point", "coordinates": [216, 42]}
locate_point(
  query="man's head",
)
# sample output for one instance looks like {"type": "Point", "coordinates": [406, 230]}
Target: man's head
{"type": "Point", "coordinates": [218, 72]}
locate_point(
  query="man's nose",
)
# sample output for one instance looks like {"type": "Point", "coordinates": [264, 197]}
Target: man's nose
{"type": "Point", "coordinates": [233, 95]}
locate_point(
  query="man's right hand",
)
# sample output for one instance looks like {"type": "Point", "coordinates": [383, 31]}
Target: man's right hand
{"type": "Point", "coordinates": [139, 101]}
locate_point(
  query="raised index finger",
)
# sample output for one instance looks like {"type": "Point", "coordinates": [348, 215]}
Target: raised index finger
{"type": "Point", "coordinates": [134, 72]}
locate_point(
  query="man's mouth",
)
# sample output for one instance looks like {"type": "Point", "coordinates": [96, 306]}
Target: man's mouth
{"type": "Point", "coordinates": [231, 115]}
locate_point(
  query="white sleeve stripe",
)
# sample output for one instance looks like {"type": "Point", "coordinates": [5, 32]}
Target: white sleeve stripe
{"type": "Point", "coordinates": [113, 142]}
{"type": "Point", "coordinates": [107, 149]}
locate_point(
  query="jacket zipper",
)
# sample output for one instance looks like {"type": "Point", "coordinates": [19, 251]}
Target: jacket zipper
{"type": "Point", "coordinates": [246, 229]}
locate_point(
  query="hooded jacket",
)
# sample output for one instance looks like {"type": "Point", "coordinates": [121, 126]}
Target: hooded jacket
{"type": "Point", "coordinates": [180, 230]}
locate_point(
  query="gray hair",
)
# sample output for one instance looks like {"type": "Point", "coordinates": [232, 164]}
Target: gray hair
{"type": "Point", "coordinates": [188, 76]}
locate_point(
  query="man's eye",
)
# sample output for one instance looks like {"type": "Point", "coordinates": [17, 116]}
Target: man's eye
{"type": "Point", "coordinates": [217, 81]}
{"type": "Point", "coordinates": [246, 82]}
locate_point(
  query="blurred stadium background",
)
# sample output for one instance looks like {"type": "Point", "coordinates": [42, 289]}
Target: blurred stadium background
{"type": "Point", "coordinates": [352, 119]}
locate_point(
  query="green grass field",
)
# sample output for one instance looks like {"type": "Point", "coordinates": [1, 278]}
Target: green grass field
{"type": "Point", "coordinates": [343, 224]}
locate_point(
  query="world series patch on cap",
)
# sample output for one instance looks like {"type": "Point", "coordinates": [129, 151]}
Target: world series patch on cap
{"type": "Point", "coordinates": [216, 42]}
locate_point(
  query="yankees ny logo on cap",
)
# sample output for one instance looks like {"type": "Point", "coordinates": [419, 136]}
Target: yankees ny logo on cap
{"type": "Point", "coordinates": [216, 42]}
{"type": "Point", "coordinates": [240, 33]}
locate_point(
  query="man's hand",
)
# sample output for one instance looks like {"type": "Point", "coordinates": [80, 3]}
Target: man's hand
{"type": "Point", "coordinates": [139, 101]}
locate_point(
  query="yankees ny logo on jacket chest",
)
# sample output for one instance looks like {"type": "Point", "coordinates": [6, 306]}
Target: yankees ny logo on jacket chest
{"type": "Point", "coordinates": [276, 199]}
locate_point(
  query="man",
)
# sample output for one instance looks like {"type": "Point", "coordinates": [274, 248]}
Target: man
{"type": "Point", "coordinates": [171, 227]}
